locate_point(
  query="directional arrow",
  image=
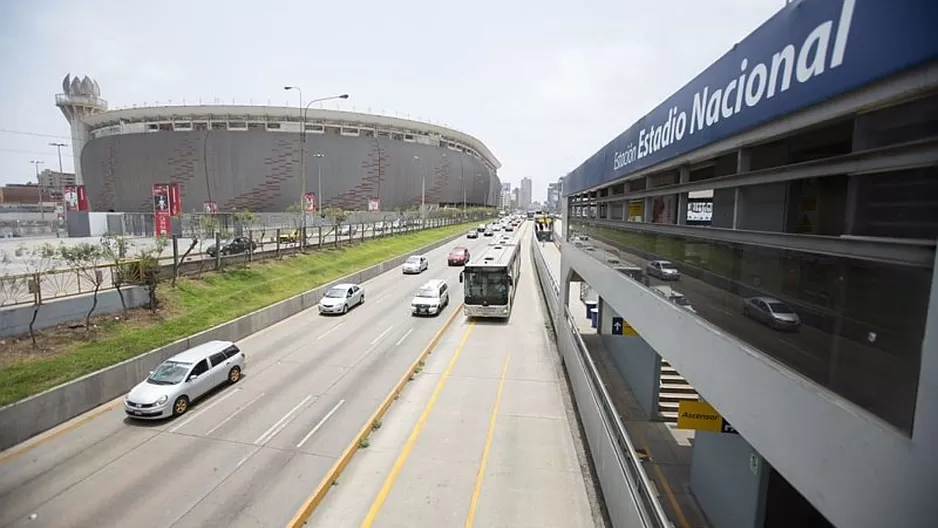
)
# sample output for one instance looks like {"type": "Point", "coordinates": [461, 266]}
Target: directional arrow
{"type": "Point", "coordinates": [617, 326]}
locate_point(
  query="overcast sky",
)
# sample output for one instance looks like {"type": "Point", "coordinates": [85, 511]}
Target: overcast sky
{"type": "Point", "coordinates": [543, 83]}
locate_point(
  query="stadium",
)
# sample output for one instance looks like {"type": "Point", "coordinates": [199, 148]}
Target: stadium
{"type": "Point", "coordinates": [248, 157]}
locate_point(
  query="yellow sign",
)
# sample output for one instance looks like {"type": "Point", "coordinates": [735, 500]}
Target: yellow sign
{"type": "Point", "coordinates": [701, 416]}
{"type": "Point", "coordinates": [636, 209]}
{"type": "Point", "coordinates": [627, 329]}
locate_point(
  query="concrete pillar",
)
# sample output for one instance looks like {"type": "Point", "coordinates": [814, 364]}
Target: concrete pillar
{"type": "Point", "coordinates": [742, 165]}
{"type": "Point", "coordinates": [634, 359]}
{"type": "Point", "coordinates": [649, 208]}
{"type": "Point", "coordinates": [729, 479]}
{"type": "Point", "coordinates": [683, 177]}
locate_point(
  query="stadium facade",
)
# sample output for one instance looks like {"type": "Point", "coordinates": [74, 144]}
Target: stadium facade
{"type": "Point", "coordinates": [248, 157]}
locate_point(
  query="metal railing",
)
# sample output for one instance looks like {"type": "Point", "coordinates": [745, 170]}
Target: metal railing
{"type": "Point", "coordinates": [649, 507]}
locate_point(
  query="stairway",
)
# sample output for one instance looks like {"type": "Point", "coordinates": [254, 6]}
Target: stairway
{"type": "Point", "coordinates": [673, 389]}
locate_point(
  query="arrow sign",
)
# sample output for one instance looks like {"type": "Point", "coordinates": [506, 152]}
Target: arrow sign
{"type": "Point", "coordinates": [616, 326]}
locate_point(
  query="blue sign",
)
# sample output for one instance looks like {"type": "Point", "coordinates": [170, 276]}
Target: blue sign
{"type": "Point", "coordinates": [617, 326]}
{"type": "Point", "coordinates": [810, 51]}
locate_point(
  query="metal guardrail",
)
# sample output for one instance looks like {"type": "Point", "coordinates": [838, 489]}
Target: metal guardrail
{"type": "Point", "coordinates": [649, 508]}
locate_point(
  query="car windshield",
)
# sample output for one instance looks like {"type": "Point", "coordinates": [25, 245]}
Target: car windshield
{"type": "Point", "coordinates": [169, 373]}
{"type": "Point", "coordinates": [780, 308]}
{"type": "Point", "coordinates": [336, 293]}
{"type": "Point", "coordinates": [427, 293]}
{"type": "Point", "coordinates": [668, 266]}
{"type": "Point", "coordinates": [413, 260]}
{"type": "Point", "coordinates": [486, 287]}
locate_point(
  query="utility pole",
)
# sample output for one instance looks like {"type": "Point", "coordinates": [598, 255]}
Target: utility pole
{"type": "Point", "coordinates": [42, 214]}
{"type": "Point", "coordinates": [58, 147]}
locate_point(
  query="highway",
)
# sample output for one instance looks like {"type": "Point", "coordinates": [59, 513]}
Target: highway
{"type": "Point", "coordinates": [485, 436]}
{"type": "Point", "coordinates": [251, 453]}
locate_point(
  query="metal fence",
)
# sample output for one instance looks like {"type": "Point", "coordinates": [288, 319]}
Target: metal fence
{"type": "Point", "coordinates": [22, 283]}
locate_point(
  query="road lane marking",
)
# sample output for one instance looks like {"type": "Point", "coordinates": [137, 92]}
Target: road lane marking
{"type": "Point", "coordinates": [480, 477]}
{"type": "Point", "coordinates": [408, 446]}
{"type": "Point", "coordinates": [329, 331]}
{"type": "Point", "coordinates": [668, 491]}
{"type": "Point", "coordinates": [203, 411]}
{"type": "Point", "coordinates": [321, 422]}
{"type": "Point", "coordinates": [405, 336]}
{"type": "Point", "coordinates": [281, 423]}
{"type": "Point", "coordinates": [232, 415]}
{"type": "Point", "coordinates": [381, 336]}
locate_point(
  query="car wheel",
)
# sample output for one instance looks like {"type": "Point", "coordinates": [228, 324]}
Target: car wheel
{"type": "Point", "coordinates": [180, 406]}
{"type": "Point", "coordinates": [234, 374]}
{"type": "Point", "coordinates": [344, 308]}
{"type": "Point", "coordinates": [363, 299]}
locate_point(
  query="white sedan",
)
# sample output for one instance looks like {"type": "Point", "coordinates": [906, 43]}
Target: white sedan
{"type": "Point", "coordinates": [340, 298]}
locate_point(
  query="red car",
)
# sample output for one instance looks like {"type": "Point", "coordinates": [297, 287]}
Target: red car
{"type": "Point", "coordinates": [459, 256]}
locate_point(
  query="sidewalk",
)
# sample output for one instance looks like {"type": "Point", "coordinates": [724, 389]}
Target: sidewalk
{"type": "Point", "coordinates": [665, 449]}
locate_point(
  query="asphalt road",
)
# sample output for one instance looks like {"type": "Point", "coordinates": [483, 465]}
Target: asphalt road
{"type": "Point", "coordinates": [485, 436]}
{"type": "Point", "coordinates": [249, 454]}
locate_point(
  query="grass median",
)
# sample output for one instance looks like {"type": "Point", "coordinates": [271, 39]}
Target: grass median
{"type": "Point", "coordinates": [192, 306]}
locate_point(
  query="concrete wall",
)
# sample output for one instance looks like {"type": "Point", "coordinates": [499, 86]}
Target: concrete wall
{"type": "Point", "coordinates": [636, 362]}
{"type": "Point", "coordinates": [856, 470]}
{"type": "Point", "coordinates": [26, 418]}
{"type": "Point", "coordinates": [729, 491]}
{"type": "Point", "coordinates": [259, 170]}
{"type": "Point", "coordinates": [15, 320]}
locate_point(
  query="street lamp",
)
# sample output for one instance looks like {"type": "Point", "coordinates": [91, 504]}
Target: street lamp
{"type": "Point", "coordinates": [303, 146]}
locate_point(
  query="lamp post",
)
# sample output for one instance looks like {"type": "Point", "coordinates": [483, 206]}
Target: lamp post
{"type": "Point", "coordinates": [58, 147]}
{"type": "Point", "coordinates": [303, 146]}
{"type": "Point", "coordinates": [423, 187]}
{"type": "Point", "coordinates": [42, 214]}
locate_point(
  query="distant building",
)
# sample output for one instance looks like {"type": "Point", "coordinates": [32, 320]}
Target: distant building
{"type": "Point", "coordinates": [52, 180]}
{"type": "Point", "coordinates": [524, 197]}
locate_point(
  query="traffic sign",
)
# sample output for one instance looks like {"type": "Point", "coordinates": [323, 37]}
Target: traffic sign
{"type": "Point", "coordinates": [622, 327]}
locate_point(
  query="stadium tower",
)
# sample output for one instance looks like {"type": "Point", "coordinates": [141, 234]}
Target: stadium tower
{"type": "Point", "coordinates": [79, 98]}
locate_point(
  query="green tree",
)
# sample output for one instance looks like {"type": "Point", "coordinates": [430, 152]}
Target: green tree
{"type": "Point", "coordinates": [114, 249]}
{"type": "Point", "coordinates": [86, 259]}
{"type": "Point", "coordinates": [148, 270]}
{"type": "Point", "coordinates": [38, 262]}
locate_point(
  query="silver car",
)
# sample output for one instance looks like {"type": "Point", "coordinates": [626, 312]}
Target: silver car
{"type": "Point", "coordinates": [772, 313]}
{"type": "Point", "coordinates": [340, 298]}
{"type": "Point", "coordinates": [172, 387]}
{"type": "Point", "coordinates": [415, 264]}
{"type": "Point", "coordinates": [662, 269]}
{"type": "Point", "coordinates": [431, 298]}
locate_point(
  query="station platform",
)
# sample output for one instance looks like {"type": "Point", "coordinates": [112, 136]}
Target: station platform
{"type": "Point", "coordinates": [485, 435]}
{"type": "Point", "coordinates": [664, 449]}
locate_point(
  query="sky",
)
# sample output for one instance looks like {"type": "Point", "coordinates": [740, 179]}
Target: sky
{"type": "Point", "coordinates": [543, 84]}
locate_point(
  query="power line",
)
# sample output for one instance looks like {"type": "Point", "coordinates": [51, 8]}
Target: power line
{"type": "Point", "coordinates": [32, 152]}
{"type": "Point", "coordinates": [20, 132]}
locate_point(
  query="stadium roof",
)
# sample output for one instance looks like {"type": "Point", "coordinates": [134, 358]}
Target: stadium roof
{"type": "Point", "coordinates": [263, 113]}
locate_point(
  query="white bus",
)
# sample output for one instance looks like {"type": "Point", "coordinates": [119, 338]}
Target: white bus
{"type": "Point", "coordinates": [490, 280]}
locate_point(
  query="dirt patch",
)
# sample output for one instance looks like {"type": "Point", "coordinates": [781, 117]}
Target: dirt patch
{"type": "Point", "coordinates": [57, 340]}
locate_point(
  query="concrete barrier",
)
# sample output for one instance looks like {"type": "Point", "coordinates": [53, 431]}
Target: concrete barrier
{"type": "Point", "coordinates": [14, 320]}
{"type": "Point", "coordinates": [26, 418]}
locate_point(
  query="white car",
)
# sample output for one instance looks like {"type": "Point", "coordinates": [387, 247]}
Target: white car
{"type": "Point", "coordinates": [431, 298]}
{"type": "Point", "coordinates": [171, 388]}
{"type": "Point", "coordinates": [340, 298]}
{"type": "Point", "coordinates": [415, 264]}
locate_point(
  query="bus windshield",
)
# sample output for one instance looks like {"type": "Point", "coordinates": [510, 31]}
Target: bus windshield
{"type": "Point", "coordinates": [486, 287]}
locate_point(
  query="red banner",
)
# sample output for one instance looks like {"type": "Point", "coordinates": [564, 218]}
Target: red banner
{"type": "Point", "coordinates": [311, 204]}
{"type": "Point", "coordinates": [70, 197]}
{"type": "Point", "coordinates": [374, 204]}
{"type": "Point", "coordinates": [161, 209]}
{"type": "Point", "coordinates": [175, 200]}
{"type": "Point", "coordinates": [82, 199]}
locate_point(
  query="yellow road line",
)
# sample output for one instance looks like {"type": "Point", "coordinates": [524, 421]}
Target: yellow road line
{"type": "Point", "coordinates": [405, 452]}
{"type": "Point", "coordinates": [477, 488]}
{"type": "Point", "coordinates": [682, 519]}
{"type": "Point", "coordinates": [310, 505]}
{"type": "Point", "coordinates": [37, 441]}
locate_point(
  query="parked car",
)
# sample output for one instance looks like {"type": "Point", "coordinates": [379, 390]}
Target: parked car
{"type": "Point", "coordinates": [233, 247]}
{"type": "Point", "coordinates": [431, 298]}
{"type": "Point", "coordinates": [171, 388]}
{"type": "Point", "coordinates": [341, 298]}
{"type": "Point", "coordinates": [459, 256]}
{"type": "Point", "coordinates": [415, 264]}
{"type": "Point", "coordinates": [662, 269]}
{"type": "Point", "coordinates": [772, 313]}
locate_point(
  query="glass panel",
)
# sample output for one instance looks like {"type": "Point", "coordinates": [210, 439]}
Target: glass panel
{"type": "Point", "coordinates": [486, 287]}
{"type": "Point", "coordinates": [857, 326]}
